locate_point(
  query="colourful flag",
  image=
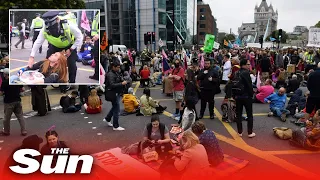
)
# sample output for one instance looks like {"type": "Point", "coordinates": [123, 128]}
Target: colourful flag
{"type": "Point", "coordinates": [185, 58]}
{"type": "Point", "coordinates": [104, 42]}
{"type": "Point", "coordinates": [258, 80]}
{"type": "Point", "coordinates": [164, 55]}
{"type": "Point", "coordinates": [230, 45]}
{"type": "Point", "coordinates": [130, 56]}
{"type": "Point", "coordinates": [160, 42]}
{"type": "Point", "coordinates": [84, 21]}
{"type": "Point", "coordinates": [225, 43]}
{"type": "Point", "coordinates": [201, 61]}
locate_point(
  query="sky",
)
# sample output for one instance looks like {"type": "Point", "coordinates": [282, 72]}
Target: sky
{"type": "Point", "coordinates": [232, 13]}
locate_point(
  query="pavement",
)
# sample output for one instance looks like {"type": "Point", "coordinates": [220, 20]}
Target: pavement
{"type": "Point", "coordinates": [268, 156]}
{"type": "Point", "coordinates": [19, 59]}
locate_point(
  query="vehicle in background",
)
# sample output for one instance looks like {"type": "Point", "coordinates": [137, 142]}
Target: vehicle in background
{"type": "Point", "coordinates": [15, 31]}
{"type": "Point", "coordinates": [120, 48]}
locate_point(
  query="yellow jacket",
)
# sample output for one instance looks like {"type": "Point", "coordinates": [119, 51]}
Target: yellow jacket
{"type": "Point", "coordinates": [130, 102]}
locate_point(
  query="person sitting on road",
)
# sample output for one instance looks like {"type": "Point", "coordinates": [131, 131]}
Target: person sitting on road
{"type": "Point", "coordinates": [145, 74]}
{"type": "Point", "coordinates": [130, 102]}
{"type": "Point", "coordinates": [69, 104]}
{"type": "Point", "coordinates": [52, 142]}
{"type": "Point", "coordinates": [157, 133]}
{"type": "Point", "coordinates": [93, 105]}
{"type": "Point", "coordinates": [210, 142]}
{"type": "Point", "coordinates": [293, 84]}
{"type": "Point", "coordinates": [148, 105]}
{"type": "Point", "coordinates": [134, 75]}
{"type": "Point", "coordinates": [277, 103]}
{"type": "Point", "coordinates": [54, 70]}
{"type": "Point", "coordinates": [85, 52]}
{"type": "Point", "coordinates": [263, 92]}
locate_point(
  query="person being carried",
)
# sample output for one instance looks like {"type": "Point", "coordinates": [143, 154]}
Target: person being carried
{"type": "Point", "coordinates": [54, 70]}
{"type": "Point", "coordinates": [93, 105]}
{"type": "Point", "coordinates": [69, 104]}
{"type": "Point", "coordinates": [277, 103]}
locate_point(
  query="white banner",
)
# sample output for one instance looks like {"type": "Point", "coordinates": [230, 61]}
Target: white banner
{"type": "Point", "coordinates": [124, 166]}
{"type": "Point", "coordinates": [216, 45]}
{"type": "Point", "coordinates": [314, 37]}
{"type": "Point", "coordinates": [160, 42]}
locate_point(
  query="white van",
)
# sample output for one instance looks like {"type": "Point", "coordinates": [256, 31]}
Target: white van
{"type": "Point", "coordinates": [115, 48]}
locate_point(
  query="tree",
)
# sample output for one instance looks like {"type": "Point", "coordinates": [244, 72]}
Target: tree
{"type": "Point", "coordinates": [275, 34]}
{"type": "Point", "coordinates": [34, 4]}
{"type": "Point", "coordinates": [318, 25]}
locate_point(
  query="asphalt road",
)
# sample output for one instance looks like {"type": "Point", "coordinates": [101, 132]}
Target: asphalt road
{"type": "Point", "coordinates": [266, 154]}
{"type": "Point", "coordinates": [19, 59]}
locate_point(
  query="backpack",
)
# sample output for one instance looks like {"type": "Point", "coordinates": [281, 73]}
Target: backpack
{"type": "Point", "coordinates": [237, 85]}
{"type": "Point", "coordinates": [283, 132]}
{"type": "Point", "coordinates": [19, 25]}
{"type": "Point", "coordinates": [228, 108]}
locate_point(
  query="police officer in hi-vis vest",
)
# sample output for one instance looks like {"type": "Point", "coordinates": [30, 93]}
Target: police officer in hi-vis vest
{"type": "Point", "coordinates": [62, 36]}
{"type": "Point", "coordinates": [36, 25]}
{"type": "Point", "coordinates": [95, 25]}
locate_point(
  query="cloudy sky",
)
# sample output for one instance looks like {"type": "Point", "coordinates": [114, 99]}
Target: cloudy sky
{"type": "Point", "coordinates": [231, 13]}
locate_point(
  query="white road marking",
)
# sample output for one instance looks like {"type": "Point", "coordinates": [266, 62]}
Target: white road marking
{"type": "Point", "coordinates": [99, 134]}
{"type": "Point", "coordinates": [104, 120]}
{"type": "Point", "coordinates": [94, 127]}
{"type": "Point", "coordinates": [90, 122]}
{"type": "Point", "coordinates": [81, 113]}
{"type": "Point", "coordinates": [86, 117]}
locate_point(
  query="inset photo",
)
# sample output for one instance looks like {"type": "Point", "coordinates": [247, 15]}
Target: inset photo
{"type": "Point", "coordinates": [54, 46]}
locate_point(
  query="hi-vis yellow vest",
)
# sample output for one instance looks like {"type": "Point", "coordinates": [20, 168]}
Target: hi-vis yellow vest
{"type": "Point", "coordinates": [62, 41]}
{"type": "Point", "coordinates": [95, 25]}
{"type": "Point", "coordinates": [38, 23]}
{"type": "Point", "coordinates": [70, 17]}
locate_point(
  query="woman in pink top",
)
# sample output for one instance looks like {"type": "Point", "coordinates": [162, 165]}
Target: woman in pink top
{"type": "Point", "coordinates": [263, 92]}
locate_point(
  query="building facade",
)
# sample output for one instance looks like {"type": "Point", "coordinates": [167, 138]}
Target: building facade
{"type": "Point", "coordinates": [265, 22]}
{"type": "Point", "coordinates": [120, 23]}
{"type": "Point", "coordinates": [168, 19]}
{"type": "Point", "coordinates": [206, 23]}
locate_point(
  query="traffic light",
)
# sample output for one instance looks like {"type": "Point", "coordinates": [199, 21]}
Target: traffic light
{"type": "Point", "coordinates": [153, 37]}
{"type": "Point", "coordinates": [145, 39]}
{"type": "Point", "coordinates": [261, 39]}
{"type": "Point", "coordinates": [280, 34]}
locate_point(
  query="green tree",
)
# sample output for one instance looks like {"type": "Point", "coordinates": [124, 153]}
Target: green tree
{"type": "Point", "coordinates": [318, 25]}
{"type": "Point", "coordinates": [34, 4]}
{"type": "Point", "coordinates": [275, 34]}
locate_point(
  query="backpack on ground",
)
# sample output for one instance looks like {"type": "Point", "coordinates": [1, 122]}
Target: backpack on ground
{"type": "Point", "coordinates": [237, 85]}
{"type": "Point", "coordinates": [283, 132]}
{"type": "Point", "coordinates": [228, 108]}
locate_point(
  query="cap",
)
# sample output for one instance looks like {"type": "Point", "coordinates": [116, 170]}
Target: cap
{"type": "Point", "coordinates": [38, 14]}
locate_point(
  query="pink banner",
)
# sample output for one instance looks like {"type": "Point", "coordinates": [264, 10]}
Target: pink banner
{"type": "Point", "coordinates": [130, 56]}
{"type": "Point", "coordinates": [102, 75]}
{"type": "Point", "coordinates": [84, 21]}
{"type": "Point", "coordinates": [164, 55]}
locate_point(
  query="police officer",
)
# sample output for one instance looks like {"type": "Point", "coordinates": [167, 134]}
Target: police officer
{"type": "Point", "coordinates": [95, 25]}
{"type": "Point", "coordinates": [36, 25]}
{"type": "Point", "coordinates": [62, 36]}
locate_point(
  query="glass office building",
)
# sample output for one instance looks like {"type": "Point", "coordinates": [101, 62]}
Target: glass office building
{"type": "Point", "coordinates": [184, 19]}
{"type": "Point", "coordinates": [119, 17]}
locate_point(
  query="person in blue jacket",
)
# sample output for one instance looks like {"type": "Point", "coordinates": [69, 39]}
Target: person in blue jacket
{"type": "Point", "coordinates": [277, 103]}
{"type": "Point", "coordinates": [85, 52]}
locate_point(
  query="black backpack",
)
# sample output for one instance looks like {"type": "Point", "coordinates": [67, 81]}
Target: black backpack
{"type": "Point", "coordinates": [237, 85]}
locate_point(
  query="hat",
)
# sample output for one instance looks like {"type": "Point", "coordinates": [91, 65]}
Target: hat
{"type": "Point", "coordinates": [294, 76]}
{"type": "Point", "coordinates": [38, 14]}
{"type": "Point", "coordinates": [130, 90]}
{"type": "Point", "coordinates": [50, 17]}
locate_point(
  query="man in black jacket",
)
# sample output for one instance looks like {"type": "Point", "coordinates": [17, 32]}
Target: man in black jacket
{"type": "Point", "coordinates": [208, 85]}
{"type": "Point", "coordinates": [245, 99]}
{"type": "Point", "coordinates": [314, 97]}
{"type": "Point", "coordinates": [115, 84]}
